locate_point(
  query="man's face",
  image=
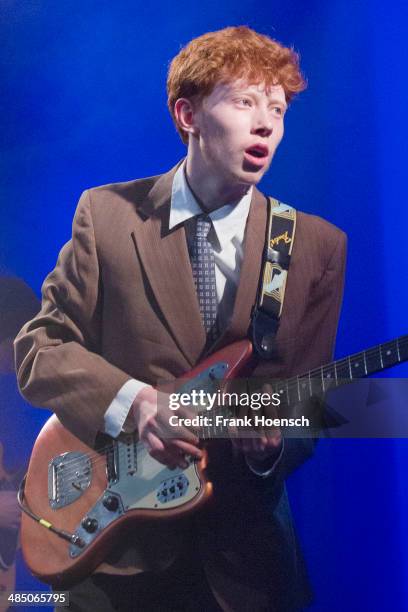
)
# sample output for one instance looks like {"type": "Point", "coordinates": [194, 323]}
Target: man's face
{"type": "Point", "coordinates": [239, 128]}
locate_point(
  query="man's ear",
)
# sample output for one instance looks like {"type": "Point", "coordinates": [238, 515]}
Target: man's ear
{"type": "Point", "coordinates": [184, 113]}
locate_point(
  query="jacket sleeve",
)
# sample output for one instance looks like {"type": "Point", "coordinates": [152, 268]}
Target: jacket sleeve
{"type": "Point", "coordinates": [57, 353]}
{"type": "Point", "coordinates": [323, 313]}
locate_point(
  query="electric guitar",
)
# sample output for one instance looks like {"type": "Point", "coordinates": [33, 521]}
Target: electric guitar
{"type": "Point", "coordinates": [76, 500]}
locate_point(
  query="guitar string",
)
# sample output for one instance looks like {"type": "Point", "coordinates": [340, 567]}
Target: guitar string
{"type": "Point", "coordinates": [287, 384]}
{"type": "Point", "coordinates": [71, 465]}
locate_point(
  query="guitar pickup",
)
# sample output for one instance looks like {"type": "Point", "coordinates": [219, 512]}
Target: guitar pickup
{"type": "Point", "coordinates": [172, 488]}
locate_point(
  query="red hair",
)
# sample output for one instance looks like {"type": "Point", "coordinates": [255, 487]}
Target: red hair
{"type": "Point", "coordinates": [227, 55]}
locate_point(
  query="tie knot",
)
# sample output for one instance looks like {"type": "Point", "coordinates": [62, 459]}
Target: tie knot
{"type": "Point", "coordinates": [203, 226]}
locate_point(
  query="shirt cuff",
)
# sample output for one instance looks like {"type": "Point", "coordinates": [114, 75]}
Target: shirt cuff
{"type": "Point", "coordinates": [264, 473]}
{"type": "Point", "coordinates": [118, 410]}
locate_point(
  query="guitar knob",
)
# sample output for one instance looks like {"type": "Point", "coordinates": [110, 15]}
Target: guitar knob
{"type": "Point", "coordinates": [89, 524]}
{"type": "Point", "coordinates": [111, 503]}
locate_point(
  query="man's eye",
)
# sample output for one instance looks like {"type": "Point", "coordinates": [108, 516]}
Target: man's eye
{"type": "Point", "coordinates": [245, 102]}
{"type": "Point", "coordinates": [278, 111]}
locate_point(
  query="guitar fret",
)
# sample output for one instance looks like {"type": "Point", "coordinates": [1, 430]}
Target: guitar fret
{"type": "Point", "coordinates": [398, 351]}
{"type": "Point", "coordinates": [349, 364]}
{"type": "Point", "coordinates": [322, 377]}
{"type": "Point", "coordinates": [343, 370]}
{"type": "Point", "coordinates": [381, 359]}
{"type": "Point", "coordinates": [365, 363]}
{"type": "Point", "coordinates": [329, 376]}
{"type": "Point", "coordinates": [357, 365]}
{"type": "Point", "coordinates": [403, 347]}
{"type": "Point", "coordinates": [293, 390]}
{"type": "Point", "coordinates": [304, 388]}
{"type": "Point", "coordinates": [316, 382]}
{"type": "Point", "coordinates": [374, 360]}
{"type": "Point", "coordinates": [281, 390]}
{"type": "Point", "coordinates": [390, 353]}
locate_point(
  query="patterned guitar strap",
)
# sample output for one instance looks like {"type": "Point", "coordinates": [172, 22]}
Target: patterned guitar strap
{"type": "Point", "coordinates": [266, 313]}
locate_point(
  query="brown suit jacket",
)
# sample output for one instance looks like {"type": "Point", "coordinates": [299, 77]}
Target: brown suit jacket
{"type": "Point", "coordinates": [121, 303]}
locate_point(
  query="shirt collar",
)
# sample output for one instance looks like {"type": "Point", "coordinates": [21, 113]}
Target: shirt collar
{"type": "Point", "coordinates": [228, 221]}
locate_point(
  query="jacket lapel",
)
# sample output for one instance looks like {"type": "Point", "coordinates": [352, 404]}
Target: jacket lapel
{"type": "Point", "coordinates": [164, 256]}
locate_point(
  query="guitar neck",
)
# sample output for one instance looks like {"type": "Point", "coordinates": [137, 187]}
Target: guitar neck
{"type": "Point", "coordinates": [316, 382]}
{"type": "Point", "coordinates": [343, 371]}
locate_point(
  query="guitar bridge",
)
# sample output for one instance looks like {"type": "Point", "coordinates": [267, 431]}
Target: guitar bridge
{"type": "Point", "coordinates": [69, 475]}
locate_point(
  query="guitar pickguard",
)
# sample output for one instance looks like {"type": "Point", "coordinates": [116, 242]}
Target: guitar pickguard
{"type": "Point", "coordinates": [136, 481]}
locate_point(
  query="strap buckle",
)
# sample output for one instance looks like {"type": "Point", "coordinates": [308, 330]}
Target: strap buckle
{"type": "Point", "coordinates": [264, 328]}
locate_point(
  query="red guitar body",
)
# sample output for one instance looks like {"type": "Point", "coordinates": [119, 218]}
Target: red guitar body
{"type": "Point", "coordinates": [93, 495]}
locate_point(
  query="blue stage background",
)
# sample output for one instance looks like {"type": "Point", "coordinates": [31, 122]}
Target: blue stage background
{"type": "Point", "coordinates": [83, 103]}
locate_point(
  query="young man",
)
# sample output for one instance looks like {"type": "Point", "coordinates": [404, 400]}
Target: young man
{"type": "Point", "coordinates": [123, 309]}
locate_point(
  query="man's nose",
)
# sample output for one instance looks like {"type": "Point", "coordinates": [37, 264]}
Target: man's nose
{"type": "Point", "coordinates": [262, 125]}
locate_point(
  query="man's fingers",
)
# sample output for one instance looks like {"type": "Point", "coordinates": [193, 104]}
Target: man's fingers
{"type": "Point", "coordinates": [274, 441]}
{"type": "Point", "coordinates": [152, 442]}
{"type": "Point", "coordinates": [171, 452]}
{"type": "Point", "coordinates": [178, 432]}
{"type": "Point", "coordinates": [186, 448]}
{"type": "Point", "coordinates": [172, 424]}
{"type": "Point", "coordinates": [164, 454]}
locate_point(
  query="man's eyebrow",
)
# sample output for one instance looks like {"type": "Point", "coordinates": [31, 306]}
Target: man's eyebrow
{"type": "Point", "coordinates": [278, 101]}
{"type": "Point", "coordinates": [239, 90]}
{"type": "Point", "coordinates": [240, 87]}
{"type": "Point", "coordinates": [249, 92]}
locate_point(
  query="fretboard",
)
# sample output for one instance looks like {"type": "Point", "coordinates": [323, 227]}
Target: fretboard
{"type": "Point", "coordinates": [343, 371]}
{"type": "Point", "coordinates": [316, 382]}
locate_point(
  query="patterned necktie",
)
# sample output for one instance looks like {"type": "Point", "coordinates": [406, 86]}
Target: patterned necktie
{"type": "Point", "coordinates": [203, 265]}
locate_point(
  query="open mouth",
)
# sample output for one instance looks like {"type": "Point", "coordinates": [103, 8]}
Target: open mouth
{"type": "Point", "coordinates": [257, 151]}
{"type": "Point", "coordinates": [257, 154]}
